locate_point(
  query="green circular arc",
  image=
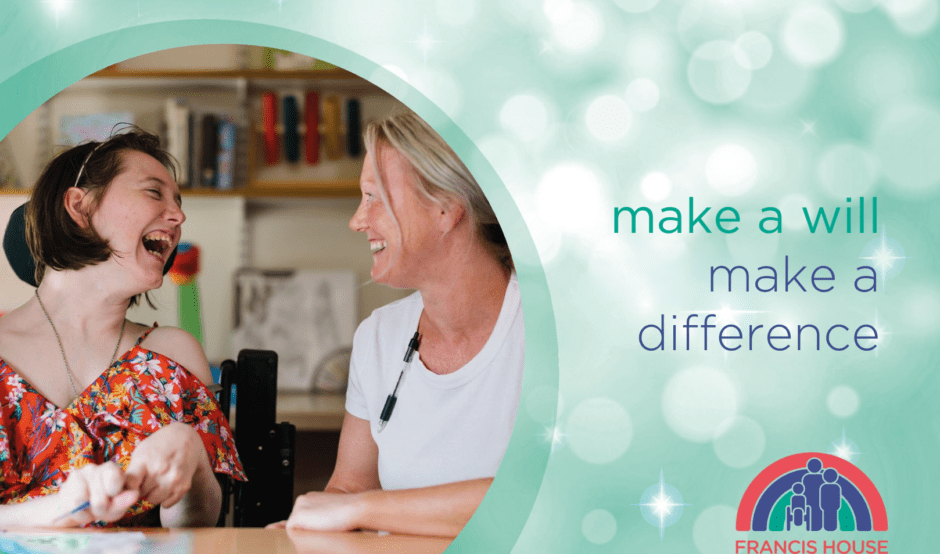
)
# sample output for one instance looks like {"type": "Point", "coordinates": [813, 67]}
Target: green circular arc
{"type": "Point", "coordinates": [500, 518]}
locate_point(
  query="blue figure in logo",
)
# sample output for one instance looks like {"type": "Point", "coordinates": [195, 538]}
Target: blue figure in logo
{"type": "Point", "coordinates": [830, 499]}
{"type": "Point", "coordinates": [797, 510]}
{"type": "Point", "coordinates": [812, 482]}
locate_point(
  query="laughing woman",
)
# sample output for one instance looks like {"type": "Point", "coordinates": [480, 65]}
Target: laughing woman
{"type": "Point", "coordinates": [424, 467]}
{"type": "Point", "coordinates": [96, 408]}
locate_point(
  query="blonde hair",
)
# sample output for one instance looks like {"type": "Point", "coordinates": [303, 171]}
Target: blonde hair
{"type": "Point", "coordinates": [441, 175]}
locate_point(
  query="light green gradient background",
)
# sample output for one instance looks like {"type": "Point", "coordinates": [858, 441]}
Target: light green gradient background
{"type": "Point", "coordinates": [623, 413]}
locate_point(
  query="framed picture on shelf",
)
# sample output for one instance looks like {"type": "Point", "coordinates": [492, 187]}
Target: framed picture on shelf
{"type": "Point", "coordinates": [306, 316]}
{"type": "Point", "coordinates": [76, 129]}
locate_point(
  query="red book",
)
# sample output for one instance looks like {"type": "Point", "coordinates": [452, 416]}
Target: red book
{"type": "Point", "coordinates": [269, 120]}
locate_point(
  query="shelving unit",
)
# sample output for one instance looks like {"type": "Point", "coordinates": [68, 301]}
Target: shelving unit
{"type": "Point", "coordinates": [296, 181]}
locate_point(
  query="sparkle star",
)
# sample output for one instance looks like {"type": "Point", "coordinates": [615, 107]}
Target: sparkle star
{"type": "Point", "coordinates": [886, 255]}
{"type": "Point", "coordinates": [809, 127]}
{"type": "Point", "coordinates": [881, 331]}
{"type": "Point", "coordinates": [555, 436]}
{"type": "Point", "coordinates": [845, 449]}
{"type": "Point", "coordinates": [425, 42]}
{"type": "Point", "coordinates": [58, 6]}
{"type": "Point", "coordinates": [661, 505]}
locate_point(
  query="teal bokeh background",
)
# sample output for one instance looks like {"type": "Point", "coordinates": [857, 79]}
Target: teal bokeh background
{"type": "Point", "coordinates": [567, 109]}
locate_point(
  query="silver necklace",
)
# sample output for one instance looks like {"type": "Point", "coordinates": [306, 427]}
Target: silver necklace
{"type": "Point", "coordinates": [68, 370]}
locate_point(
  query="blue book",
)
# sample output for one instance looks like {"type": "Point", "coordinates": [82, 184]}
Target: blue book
{"type": "Point", "coordinates": [225, 178]}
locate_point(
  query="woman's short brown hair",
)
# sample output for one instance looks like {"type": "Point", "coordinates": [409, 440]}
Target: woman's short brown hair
{"type": "Point", "coordinates": [55, 240]}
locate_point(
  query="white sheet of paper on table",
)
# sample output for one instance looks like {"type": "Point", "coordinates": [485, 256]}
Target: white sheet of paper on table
{"type": "Point", "coordinates": [120, 542]}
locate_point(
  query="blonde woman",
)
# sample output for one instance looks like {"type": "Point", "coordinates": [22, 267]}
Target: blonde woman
{"type": "Point", "coordinates": [423, 466]}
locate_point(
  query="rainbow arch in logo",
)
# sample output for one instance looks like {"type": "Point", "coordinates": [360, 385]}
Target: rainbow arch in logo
{"type": "Point", "coordinates": [766, 503]}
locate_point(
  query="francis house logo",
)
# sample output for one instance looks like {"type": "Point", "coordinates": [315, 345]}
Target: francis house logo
{"type": "Point", "coordinates": [811, 492]}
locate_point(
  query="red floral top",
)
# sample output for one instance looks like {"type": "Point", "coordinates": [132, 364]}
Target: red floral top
{"type": "Point", "coordinates": [140, 393]}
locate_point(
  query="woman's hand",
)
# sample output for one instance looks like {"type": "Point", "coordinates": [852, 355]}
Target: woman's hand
{"type": "Point", "coordinates": [326, 511]}
{"type": "Point", "coordinates": [162, 465]}
{"type": "Point", "coordinates": [437, 511]}
{"type": "Point", "coordinates": [103, 486]}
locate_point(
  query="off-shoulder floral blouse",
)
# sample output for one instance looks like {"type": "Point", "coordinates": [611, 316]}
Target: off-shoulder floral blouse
{"type": "Point", "coordinates": [140, 393]}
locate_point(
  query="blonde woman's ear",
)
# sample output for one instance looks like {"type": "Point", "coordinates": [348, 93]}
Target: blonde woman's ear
{"type": "Point", "coordinates": [452, 213]}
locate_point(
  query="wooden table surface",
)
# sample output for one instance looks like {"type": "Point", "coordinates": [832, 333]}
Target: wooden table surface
{"type": "Point", "coordinates": [262, 541]}
{"type": "Point", "coordinates": [279, 541]}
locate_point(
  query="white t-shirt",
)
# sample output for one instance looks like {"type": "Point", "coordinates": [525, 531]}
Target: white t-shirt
{"type": "Point", "coordinates": [445, 428]}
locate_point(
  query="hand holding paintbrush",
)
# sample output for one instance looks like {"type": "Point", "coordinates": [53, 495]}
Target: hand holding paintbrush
{"type": "Point", "coordinates": [94, 493]}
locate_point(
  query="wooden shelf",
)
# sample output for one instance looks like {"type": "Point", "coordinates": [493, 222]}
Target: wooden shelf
{"type": "Point", "coordinates": [257, 79]}
{"type": "Point", "coordinates": [266, 189]}
{"type": "Point", "coordinates": [311, 74]}
{"type": "Point", "coordinates": [312, 411]}
{"type": "Point", "coordinates": [308, 411]}
{"type": "Point", "coordinates": [301, 189]}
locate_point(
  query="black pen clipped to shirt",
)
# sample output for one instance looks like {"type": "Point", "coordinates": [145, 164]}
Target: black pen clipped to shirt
{"type": "Point", "coordinates": [413, 345]}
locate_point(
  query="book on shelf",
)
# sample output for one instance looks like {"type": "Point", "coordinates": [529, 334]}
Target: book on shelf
{"type": "Point", "coordinates": [209, 149]}
{"type": "Point", "coordinates": [177, 137]}
{"type": "Point", "coordinates": [207, 143]}
{"type": "Point", "coordinates": [225, 166]}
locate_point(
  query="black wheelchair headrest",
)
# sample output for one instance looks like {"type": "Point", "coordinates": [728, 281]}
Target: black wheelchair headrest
{"type": "Point", "coordinates": [18, 254]}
